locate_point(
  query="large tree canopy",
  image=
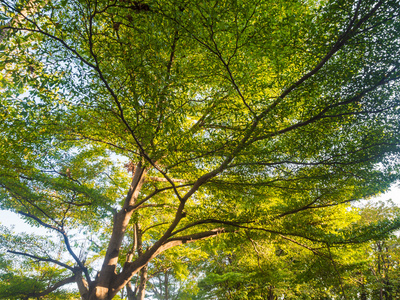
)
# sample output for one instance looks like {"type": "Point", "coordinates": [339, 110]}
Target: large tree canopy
{"type": "Point", "coordinates": [263, 118]}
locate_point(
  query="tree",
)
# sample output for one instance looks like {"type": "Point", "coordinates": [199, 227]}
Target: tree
{"type": "Point", "coordinates": [167, 286]}
{"type": "Point", "coordinates": [379, 277]}
{"type": "Point", "coordinates": [277, 268]}
{"type": "Point", "coordinates": [230, 116]}
{"type": "Point", "coordinates": [281, 268]}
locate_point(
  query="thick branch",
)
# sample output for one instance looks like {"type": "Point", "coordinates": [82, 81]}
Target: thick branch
{"type": "Point", "coordinates": [172, 242]}
{"type": "Point", "coordinates": [239, 225]}
{"type": "Point", "coordinates": [82, 284]}
{"type": "Point", "coordinates": [132, 268]}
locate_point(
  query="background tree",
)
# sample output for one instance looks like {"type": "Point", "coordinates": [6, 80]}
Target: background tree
{"type": "Point", "coordinates": [233, 116]}
{"type": "Point", "coordinates": [278, 266]}
{"type": "Point", "coordinates": [272, 268]}
{"type": "Point", "coordinates": [379, 277]}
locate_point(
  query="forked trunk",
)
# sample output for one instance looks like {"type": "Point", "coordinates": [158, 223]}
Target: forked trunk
{"type": "Point", "coordinates": [102, 288]}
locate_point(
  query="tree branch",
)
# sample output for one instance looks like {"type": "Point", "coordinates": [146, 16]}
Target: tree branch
{"type": "Point", "coordinates": [53, 288]}
{"type": "Point", "coordinates": [172, 242]}
{"type": "Point", "coordinates": [161, 179]}
{"type": "Point", "coordinates": [341, 41]}
{"type": "Point", "coordinates": [327, 161]}
{"type": "Point", "coordinates": [138, 204]}
{"type": "Point", "coordinates": [43, 259]}
{"type": "Point", "coordinates": [300, 244]}
{"type": "Point", "coordinates": [321, 114]}
{"type": "Point", "coordinates": [40, 221]}
{"type": "Point", "coordinates": [66, 241]}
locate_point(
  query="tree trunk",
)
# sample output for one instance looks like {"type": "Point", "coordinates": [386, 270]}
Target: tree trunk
{"type": "Point", "coordinates": [138, 294]}
{"type": "Point", "coordinates": [101, 288]}
{"type": "Point", "coordinates": [143, 282]}
{"type": "Point", "coordinates": [82, 286]}
{"type": "Point", "coordinates": [363, 294]}
{"type": "Point", "coordinates": [166, 285]}
{"type": "Point", "coordinates": [271, 295]}
{"type": "Point", "coordinates": [388, 287]}
{"type": "Point", "coordinates": [130, 292]}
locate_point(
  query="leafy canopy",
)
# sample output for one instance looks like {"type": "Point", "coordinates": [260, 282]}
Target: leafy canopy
{"type": "Point", "coordinates": [231, 116]}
